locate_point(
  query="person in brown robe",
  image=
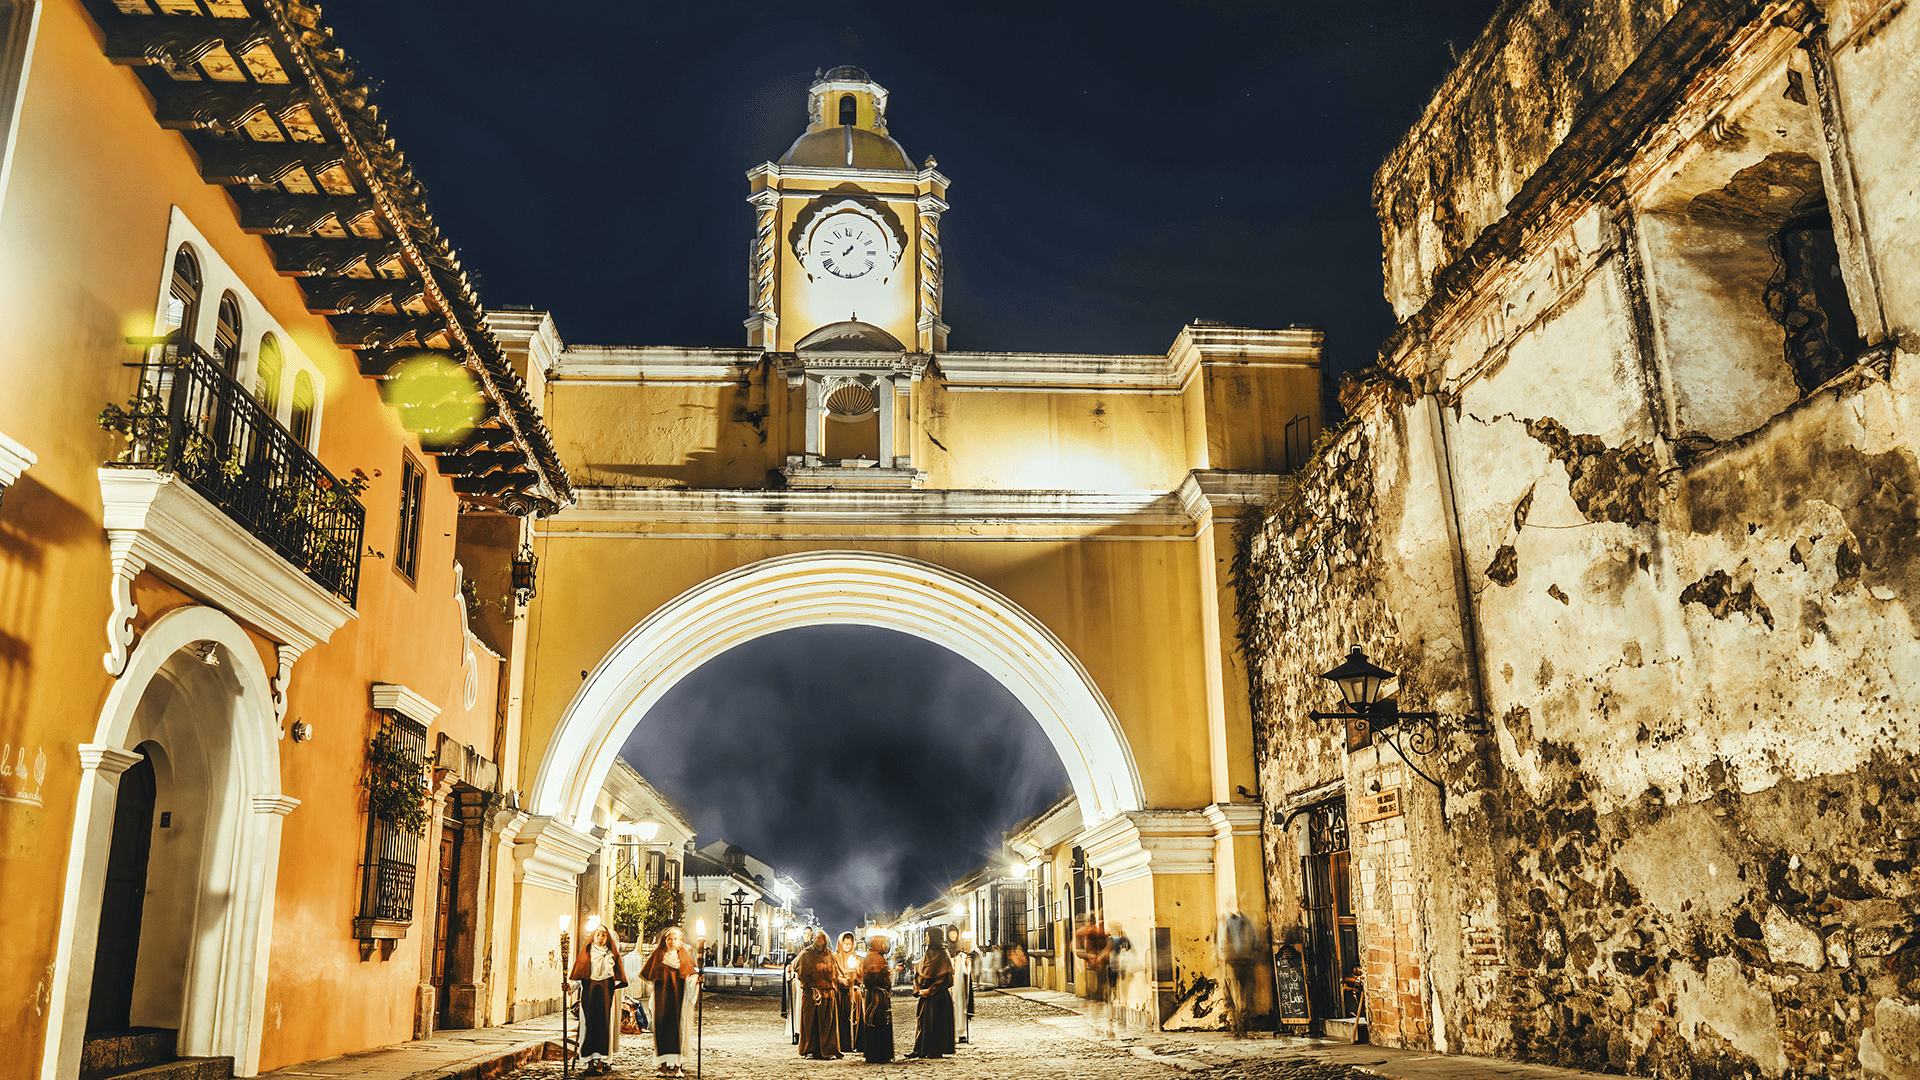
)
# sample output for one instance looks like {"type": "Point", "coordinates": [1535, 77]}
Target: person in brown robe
{"type": "Point", "coordinates": [601, 973]}
{"type": "Point", "coordinates": [847, 966]}
{"type": "Point", "coordinates": [873, 1029]}
{"type": "Point", "coordinates": [675, 974]}
{"type": "Point", "coordinates": [819, 976]}
{"type": "Point", "coordinates": [933, 1027]}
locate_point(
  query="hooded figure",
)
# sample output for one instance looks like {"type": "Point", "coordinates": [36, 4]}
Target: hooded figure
{"type": "Point", "coordinates": [873, 1031]}
{"type": "Point", "coordinates": [933, 982]}
{"type": "Point", "coordinates": [674, 972]}
{"type": "Point", "coordinates": [819, 975]}
{"type": "Point", "coordinates": [847, 966]}
{"type": "Point", "coordinates": [601, 973]}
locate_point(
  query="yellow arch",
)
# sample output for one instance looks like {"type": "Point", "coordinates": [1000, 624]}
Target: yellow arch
{"type": "Point", "coordinates": [838, 587]}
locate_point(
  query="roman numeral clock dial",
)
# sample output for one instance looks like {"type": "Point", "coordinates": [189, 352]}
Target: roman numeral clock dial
{"type": "Point", "coordinates": [848, 246]}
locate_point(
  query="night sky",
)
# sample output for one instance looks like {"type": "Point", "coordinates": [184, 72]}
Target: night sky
{"type": "Point", "coordinates": [1117, 169]}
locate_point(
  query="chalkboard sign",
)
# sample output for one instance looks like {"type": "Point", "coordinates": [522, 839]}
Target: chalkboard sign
{"type": "Point", "coordinates": [1290, 984]}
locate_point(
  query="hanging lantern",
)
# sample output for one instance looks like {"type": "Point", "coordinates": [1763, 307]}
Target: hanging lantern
{"type": "Point", "coordinates": [525, 563]}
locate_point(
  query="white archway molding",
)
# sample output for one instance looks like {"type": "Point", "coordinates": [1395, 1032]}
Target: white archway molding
{"type": "Point", "coordinates": [838, 587]}
{"type": "Point", "coordinates": [227, 994]}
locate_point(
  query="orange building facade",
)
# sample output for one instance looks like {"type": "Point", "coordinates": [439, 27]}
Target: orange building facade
{"type": "Point", "coordinates": [287, 575]}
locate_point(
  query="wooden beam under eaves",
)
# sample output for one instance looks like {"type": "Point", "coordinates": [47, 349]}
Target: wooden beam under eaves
{"type": "Point", "coordinates": [177, 44]}
{"type": "Point", "coordinates": [309, 256]}
{"type": "Point", "coordinates": [364, 296]}
{"type": "Point", "coordinates": [335, 217]}
{"type": "Point", "coordinates": [495, 483]}
{"type": "Point", "coordinates": [386, 363]}
{"type": "Point", "coordinates": [479, 462]}
{"type": "Point", "coordinates": [389, 331]}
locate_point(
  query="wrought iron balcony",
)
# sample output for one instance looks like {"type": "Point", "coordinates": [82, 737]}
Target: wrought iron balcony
{"type": "Point", "coordinates": [191, 419]}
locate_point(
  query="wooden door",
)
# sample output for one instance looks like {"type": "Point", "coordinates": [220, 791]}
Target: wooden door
{"type": "Point", "coordinates": [443, 917]}
{"type": "Point", "coordinates": [1333, 936]}
{"type": "Point", "coordinates": [122, 898]}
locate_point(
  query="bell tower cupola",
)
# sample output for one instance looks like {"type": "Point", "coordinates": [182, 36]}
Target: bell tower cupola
{"type": "Point", "coordinates": [846, 228]}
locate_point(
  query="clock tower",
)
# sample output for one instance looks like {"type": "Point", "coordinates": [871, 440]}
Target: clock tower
{"type": "Point", "coordinates": [847, 231]}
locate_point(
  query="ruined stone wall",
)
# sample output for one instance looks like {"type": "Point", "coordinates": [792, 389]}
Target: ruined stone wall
{"type": "Point", "coordinates": [1686, 847]}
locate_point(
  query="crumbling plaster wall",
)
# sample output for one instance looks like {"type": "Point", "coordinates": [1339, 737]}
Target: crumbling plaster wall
{"type": "Point", "coordinates": [1686, 849]}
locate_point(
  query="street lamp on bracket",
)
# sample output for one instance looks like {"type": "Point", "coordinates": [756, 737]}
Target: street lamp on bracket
{"type": "Point", "coordinates": [1370, 719]}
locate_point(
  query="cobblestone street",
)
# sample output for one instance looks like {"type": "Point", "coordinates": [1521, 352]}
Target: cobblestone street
{"type": "Point", "coordinates": [745, 1038]}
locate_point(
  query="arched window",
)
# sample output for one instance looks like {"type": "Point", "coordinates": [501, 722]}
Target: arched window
{"type": "Point", "coordinates": [302, 423]}
{"type": "Point", "coordinates": [849, 110]}
{"type": "Point", "coordinates": [183, 294]}
{"type": "Point", "coordinates": [226, 335]}
{"type": "Point", "coordinates": [266, 375]}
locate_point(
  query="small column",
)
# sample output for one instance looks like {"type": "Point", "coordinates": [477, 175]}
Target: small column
{"type": "Point", "coordinates": [813, 444]}
{"type": "Point", "coordinates": [884, 406]}
{"type": "Point", "coordinates": [426, 905]}
{"type": "Point", "coordinates": [72, 989]}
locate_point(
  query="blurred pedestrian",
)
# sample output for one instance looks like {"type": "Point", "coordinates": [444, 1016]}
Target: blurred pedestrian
{"type": "Point", "coordinates": [1093, 946]}
{"type": "Point", "coordinates": [1240, 947]}
{"type": "Point", "coordinates": [674, 972]}
{"type": "Point", "coordinates": [819, 1001]}
{"type": "Point", "coordinates": [873, 1034]}
{"type": "Point", "coordinates": [933, 982]}
{"type": "Point", "coordinates": [600, 974]}
{"type": "Point", "coordinates": [1022, 974]}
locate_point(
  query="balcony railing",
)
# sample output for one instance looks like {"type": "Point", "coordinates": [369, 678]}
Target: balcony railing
{"type": "Point", "coordinates": [193, 420]}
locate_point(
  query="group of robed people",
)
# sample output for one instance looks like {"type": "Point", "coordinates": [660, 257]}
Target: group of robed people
{"type": "Point", "coordinates": [601, 971]}
{"type": "Point", "coordinates": [845, 1001]}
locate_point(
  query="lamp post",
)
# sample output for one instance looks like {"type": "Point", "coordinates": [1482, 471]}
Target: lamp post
{"type": "Point", "coordinates": [566, 1059]}
{"type": "Point", "coordinates": [700, 995]}
{"type": "Point", "coordinates": [1369, 718]}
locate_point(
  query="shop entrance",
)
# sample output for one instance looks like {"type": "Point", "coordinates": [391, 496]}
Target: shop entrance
{"type": "Point", "coordinates": [1333, 936]}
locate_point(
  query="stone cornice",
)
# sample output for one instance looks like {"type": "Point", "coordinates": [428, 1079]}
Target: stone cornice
{"type": "Point", "coordinates": [1196, 347]}
{"type": "Point", "coordinates": [390, 697]}
{"type": "Point", "coordinates": [1212, 494]}
{"type": "Point", "coordinates": [156, 522]}
{"type": "Point", "coordinates": [277, 805]}
{"type": "Point", "coordinates": [107, 760]}
{"type": "Point", "coordinates": [876, 507]}
{"type": "Point", "coordinates": [1137, 843]}
{"type": "Point", "coordinates": [14, 460]}
{"type": "Point", "coordinates": [551, 854]}
{"type": "Point", "coordinates": [653, 363]}
{"type": "Point", "coordinates": [1234, 819]}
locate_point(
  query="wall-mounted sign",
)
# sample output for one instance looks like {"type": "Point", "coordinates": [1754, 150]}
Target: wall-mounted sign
{"type": "Point", "coordinates": [1379, 805]}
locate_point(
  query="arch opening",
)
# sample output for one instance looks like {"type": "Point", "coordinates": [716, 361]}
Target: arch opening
{"type": "Point", "coordinates": [888, 592]}
{"type": "Point", "coordinates": [872, 761]}
{"type": "Point", "coordinates": [191, 720]}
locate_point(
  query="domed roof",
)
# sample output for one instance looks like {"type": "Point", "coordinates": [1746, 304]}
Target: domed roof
{"type": "Point", "coordinates": [845, 73]}
{"type": "Point", "coordinates": [847, 148]}
{"type": "Point", "coordinates": [850, 336]}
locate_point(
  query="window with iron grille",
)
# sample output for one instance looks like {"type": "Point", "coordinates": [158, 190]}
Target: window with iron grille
{"type": "Point", "coordinates": [393, 852]}
{"type": "Point", "coordinates": [406, 547]}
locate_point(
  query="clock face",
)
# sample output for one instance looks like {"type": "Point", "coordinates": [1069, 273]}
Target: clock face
{"type": "Point", "coordinates": [849, 246]}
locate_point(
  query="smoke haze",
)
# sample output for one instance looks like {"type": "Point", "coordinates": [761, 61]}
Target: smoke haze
{"type": "Point", "coordinates": [873, 766]}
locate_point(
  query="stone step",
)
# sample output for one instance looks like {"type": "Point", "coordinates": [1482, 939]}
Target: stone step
{"type": "Point", "coordinates": [111, 1052]}
{"type": "Point", "coordinates": [211, 1068]}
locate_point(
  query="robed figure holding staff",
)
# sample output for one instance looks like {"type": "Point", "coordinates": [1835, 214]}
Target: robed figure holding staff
{"type": "Point", "coordinates": [819, 975]}
{"type": "Point", "coordinates": [873, 1028]}
{"type": "Point", "coordinates": [601, 974]}
{"type": "Point", "coordinates": [933, 1028]}
{"type": "Point", "coordinates": [847, 966]}
{"type": "Point", "coordinates": [675, 974]}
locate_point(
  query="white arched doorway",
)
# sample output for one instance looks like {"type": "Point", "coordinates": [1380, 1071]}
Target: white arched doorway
{"type": "Point", "coordinates": [194, 701]}
{"type": "Point", "coordinates": [838, 587]}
